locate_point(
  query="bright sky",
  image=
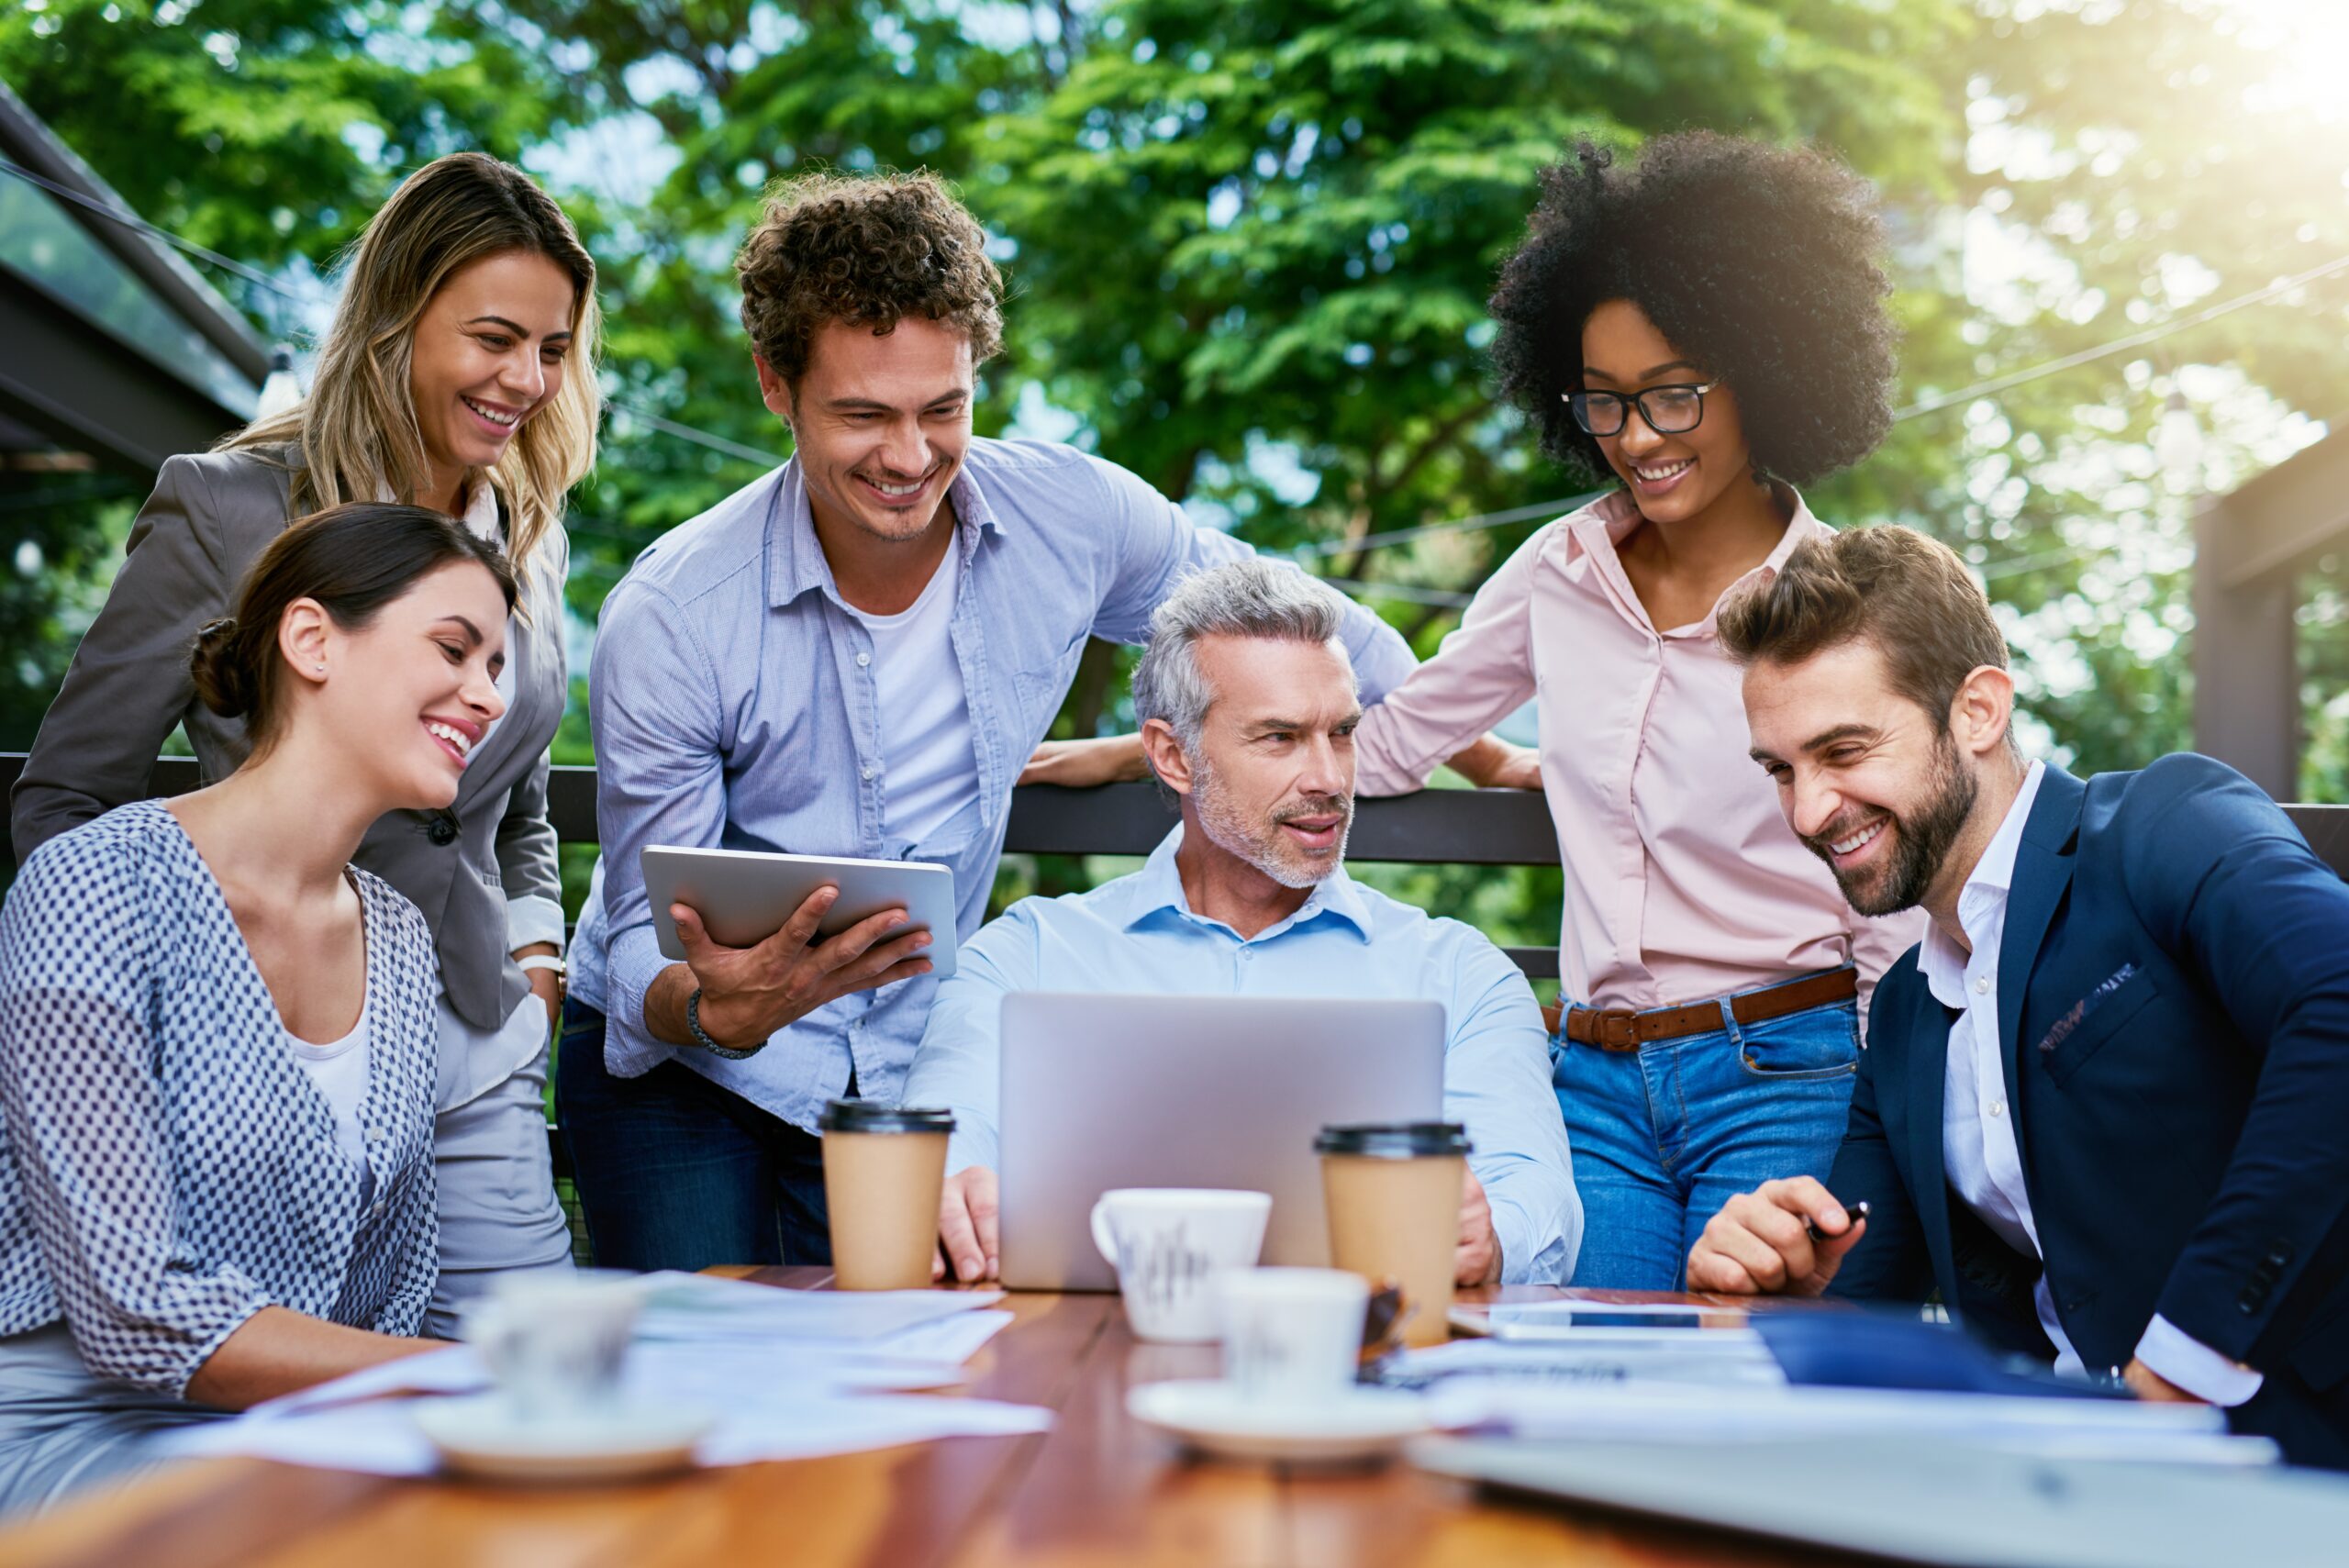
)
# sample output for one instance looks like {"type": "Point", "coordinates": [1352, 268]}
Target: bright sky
{"type": "Point", "coordinates": [2311, 41]}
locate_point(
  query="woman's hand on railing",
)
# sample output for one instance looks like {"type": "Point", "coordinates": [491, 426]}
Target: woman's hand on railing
{"type": "Point", "coordinates": [1082, 764]}
{"type": "Point", "coordinates": [1493, 764]}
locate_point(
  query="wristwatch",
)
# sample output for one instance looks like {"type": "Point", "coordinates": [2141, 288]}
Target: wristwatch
{"type": "Point", "coordinates": [701, 1036]}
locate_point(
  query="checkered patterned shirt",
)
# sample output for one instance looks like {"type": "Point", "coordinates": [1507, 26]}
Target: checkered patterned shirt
{"type": "Point", "coordinates": [166, 1170]}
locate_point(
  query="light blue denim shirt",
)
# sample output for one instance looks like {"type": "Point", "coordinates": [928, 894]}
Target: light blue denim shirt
{"type": "Point", "coordinates": [1138, 935]}
{"type": "Point", "coordinates": [734, 703]}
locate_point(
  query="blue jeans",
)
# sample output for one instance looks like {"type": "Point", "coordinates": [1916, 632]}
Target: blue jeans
{"type": "Point", "coordinates": [675, 1173]}
{"type": "Point", "coordinates": [1662, 1137]}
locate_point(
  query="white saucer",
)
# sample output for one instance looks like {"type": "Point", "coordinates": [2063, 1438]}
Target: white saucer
{"type": "Point", "coordinates": [1212, 1416]}
{"type": "Point", "coordinates": [480, 1437]}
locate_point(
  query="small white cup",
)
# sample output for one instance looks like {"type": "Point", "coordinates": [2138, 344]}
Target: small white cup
{"type": "Point", "coordinates": [1170, 1245]}
{"type": "Point", "coordinates": [554, 1343]}
{"type": "Point", "coordinates": [1292, 1334]}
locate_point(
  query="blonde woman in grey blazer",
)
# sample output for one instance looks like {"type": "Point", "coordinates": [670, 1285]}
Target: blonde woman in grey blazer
{"type": "Point", "coordinates": [457, 375]}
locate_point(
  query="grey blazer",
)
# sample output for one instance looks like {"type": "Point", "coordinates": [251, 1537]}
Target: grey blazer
{"type": "Point", "coordinates": [210, 515]}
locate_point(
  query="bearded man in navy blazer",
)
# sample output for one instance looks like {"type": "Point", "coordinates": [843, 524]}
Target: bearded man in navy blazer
{"type": "Point", "coordinates": [2105, 1103]}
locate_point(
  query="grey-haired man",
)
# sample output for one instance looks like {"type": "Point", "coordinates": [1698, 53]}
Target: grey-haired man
{"type": "Point", "coordinates": [1247, 706]}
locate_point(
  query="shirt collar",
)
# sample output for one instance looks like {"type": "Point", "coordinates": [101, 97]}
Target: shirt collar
{"type": "Point", "coordinates": [480, 510]}
{"type": "Point", "coordinates": [1598, 528]}
{"type": "Point", "coordinates": [1157, 889]}
{"type": "Point", "coordinates": [481, 514]}
{"type": "Point", "coordinates": [796, 561]}
{"type": "Point", "coordinates": [1982, 902]}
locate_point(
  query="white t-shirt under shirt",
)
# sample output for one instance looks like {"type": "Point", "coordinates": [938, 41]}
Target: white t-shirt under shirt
{"type": "Point", "coordinates": [929, 763]}
{"type": "Point", "coordinates": [338, 1072]}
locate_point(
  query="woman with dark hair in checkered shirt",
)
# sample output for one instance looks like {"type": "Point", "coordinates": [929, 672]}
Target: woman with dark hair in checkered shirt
{"type": "Point", "coordinates": [218, 1037]}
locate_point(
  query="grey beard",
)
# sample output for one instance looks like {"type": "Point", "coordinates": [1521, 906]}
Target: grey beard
{"type": "Point", "coordinates": [1257, 843]}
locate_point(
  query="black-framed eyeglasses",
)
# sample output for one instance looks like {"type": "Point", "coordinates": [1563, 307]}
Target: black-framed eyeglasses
{"type": "Point", "coordinates": [1671, 410]}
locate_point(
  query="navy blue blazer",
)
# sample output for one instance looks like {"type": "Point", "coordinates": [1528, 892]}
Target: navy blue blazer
{"type": "Point", "coordinates": [2174, 1016]}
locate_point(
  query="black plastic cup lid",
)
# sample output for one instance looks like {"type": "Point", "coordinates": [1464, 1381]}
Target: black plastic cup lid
{"type": "Point", "coordinates": [1394, 1139]}
{"type": "Point", "coordinates": [871, 1116]}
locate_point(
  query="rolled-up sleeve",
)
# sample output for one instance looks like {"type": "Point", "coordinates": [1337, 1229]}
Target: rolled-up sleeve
{"type": "Point", "coordinates": [1497, 1083]}
{"type": "Point", "coordinates": [660, 779]}
{"type": "Point", "coordinates": [1161, 546]}
{"type": "Point", "coordinates": [959, 1064]}
{"type": "Point", "coordinates": [1483, 673]}
{"type": "Point", "coordinates": [83, 1113]}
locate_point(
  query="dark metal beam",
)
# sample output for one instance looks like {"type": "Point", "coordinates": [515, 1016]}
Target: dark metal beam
{"type": "Point", "coordinates": [25, 140]}
{"type": "Point", "coordinates": [86, 390]}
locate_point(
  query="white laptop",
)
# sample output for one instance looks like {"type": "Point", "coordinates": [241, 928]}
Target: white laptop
{"type": "Point", "coordinates": [1103, 1091]}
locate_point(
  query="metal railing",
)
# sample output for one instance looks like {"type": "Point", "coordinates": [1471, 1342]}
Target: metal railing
{"type": "Point", "coordinates": [1484, 827]}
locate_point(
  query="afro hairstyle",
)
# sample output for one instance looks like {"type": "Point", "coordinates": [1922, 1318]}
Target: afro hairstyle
{"type": "Point", "coordinates": [1758, 263]}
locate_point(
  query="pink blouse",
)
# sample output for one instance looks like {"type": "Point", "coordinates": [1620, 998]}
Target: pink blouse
{"type": "Point", "coordinates": [1683, 881]}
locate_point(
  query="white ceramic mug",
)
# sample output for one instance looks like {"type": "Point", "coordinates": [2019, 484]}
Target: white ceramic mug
{"type": "Point", "coordinates": [554, 1343]}
{"type": "Point", "coordinates": [1293, 1335]}
{"type": "Point", "coordinates": [1170, 1245]}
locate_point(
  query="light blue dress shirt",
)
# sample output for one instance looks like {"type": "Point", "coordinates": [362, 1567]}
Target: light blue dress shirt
{"type": "Point", "coordinates": [1137, 935]}
{"type": "Point", "coordinates": [733, 696]}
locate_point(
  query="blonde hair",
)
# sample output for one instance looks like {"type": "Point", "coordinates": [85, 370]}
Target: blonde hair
{"type": "Point", "coordinates": [357, 429]}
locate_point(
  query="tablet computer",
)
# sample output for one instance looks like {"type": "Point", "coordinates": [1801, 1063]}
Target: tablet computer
{"type": "Point", "coordinates": [745, 895]}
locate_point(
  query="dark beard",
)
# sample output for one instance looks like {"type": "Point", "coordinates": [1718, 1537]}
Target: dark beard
{"type": "Point", "coordinates": [1922, 840]}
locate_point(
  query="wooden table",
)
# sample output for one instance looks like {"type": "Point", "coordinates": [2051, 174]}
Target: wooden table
{"type": "Point", "coordinates": [1096, 1490]}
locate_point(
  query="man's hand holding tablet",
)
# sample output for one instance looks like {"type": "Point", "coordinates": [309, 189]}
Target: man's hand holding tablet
{"type": "Point", "coordinates": [767, 937]}
{"type": "Point", "coordinates": [747, 994]}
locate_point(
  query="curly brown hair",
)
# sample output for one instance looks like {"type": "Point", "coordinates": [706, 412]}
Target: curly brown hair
{"type": "Point", "coordinates": [1764, 264]}
{"type": "Point", "coordinates": [869, 249]}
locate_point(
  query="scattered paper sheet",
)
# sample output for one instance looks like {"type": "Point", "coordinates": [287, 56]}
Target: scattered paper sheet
{"type": "Point", "coordinates": [705, 1306]}
{"type": "Point", "coordinates": [1729, 1357]}
{"type": "Point", "coordinates": [382, 1438]}
{"type": "Point", "coordinates": [1667, 1412]}
{"type": "Point", "coordinates": [797, 1373]}
{"type": "Point", "coordinates": [927, 1355]}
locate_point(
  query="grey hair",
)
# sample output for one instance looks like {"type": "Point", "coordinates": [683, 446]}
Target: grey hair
{"type": "Point", "coordinates": [1254, 597]}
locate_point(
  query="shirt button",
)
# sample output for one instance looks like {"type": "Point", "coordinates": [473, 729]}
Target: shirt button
{"type": "Point", "coordinates": [865, 772]}
{"type": "Point", "coordinates": [1998, 1107]}
{"type": "Point", "coordinates": [377, 1211]}
{"type": "Point", "coordinates": [376, 1135]}
{"type": "Point", "coordinates": [1981, 984]}
{"type": "Point", "coordinates": [862, 660]}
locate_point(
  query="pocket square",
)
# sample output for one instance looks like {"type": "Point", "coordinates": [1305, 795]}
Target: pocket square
{"type": "Point", "coordinates": [2080, 1009]}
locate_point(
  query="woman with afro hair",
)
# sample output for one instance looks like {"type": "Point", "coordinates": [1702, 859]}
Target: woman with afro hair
{"type": "Point", "coordinates": [1705, 332]}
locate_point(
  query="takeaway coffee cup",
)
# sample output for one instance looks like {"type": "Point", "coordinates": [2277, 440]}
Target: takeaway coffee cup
{"type": "Point", "coordinates": [1169, 1246]}
{"type": "Point", "coordinates": [1393, 1191]}
{"type": "Point", "coordinates": [883, 1168]}
{"type": "Point", "coordinates": [554, 1343]}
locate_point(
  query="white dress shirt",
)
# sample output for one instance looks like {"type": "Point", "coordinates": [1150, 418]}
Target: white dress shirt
{"type": "Point", "coordinates": [1979, 1149]}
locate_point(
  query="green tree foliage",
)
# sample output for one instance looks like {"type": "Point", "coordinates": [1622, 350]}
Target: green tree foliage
{"type": "Point", "coordinates": [1250, 243]}
{"type": "Point", "coordinates": [264, 130]}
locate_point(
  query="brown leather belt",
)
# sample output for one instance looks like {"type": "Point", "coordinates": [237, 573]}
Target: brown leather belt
{"type": "Point", "coordinates": [1621, 1028]}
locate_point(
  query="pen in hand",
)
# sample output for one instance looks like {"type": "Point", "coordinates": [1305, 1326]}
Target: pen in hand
{"type": "Point", "coordinates": [1852, 1212]}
